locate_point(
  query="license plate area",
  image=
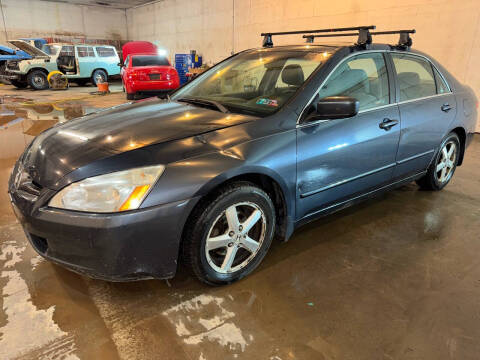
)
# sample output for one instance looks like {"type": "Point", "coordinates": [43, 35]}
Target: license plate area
{"type": "Point", "coordinates": [154, 76]}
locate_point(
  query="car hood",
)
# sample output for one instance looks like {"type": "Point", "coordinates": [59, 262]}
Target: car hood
{"type": "Point", "coordinates": [29, 49]}
{"type": "Point", "coordinates": [69, 146]}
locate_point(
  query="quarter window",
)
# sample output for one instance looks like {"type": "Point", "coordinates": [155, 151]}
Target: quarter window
{"type": "Point", "coordinates": [363, 77]}
{"type": "Point", "coordinates": [415, 77]}
{"type": "Point", "coordinates": [442, 86]}
{"type": "Point", "coordinates": [103, 51]}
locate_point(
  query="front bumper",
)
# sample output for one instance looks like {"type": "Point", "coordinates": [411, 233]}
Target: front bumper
{"type": "Point", "coordinates": [125, 246]}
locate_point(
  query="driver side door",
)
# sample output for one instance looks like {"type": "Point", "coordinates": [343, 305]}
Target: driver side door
{"type": "Point", "coordinates": [340, 159]}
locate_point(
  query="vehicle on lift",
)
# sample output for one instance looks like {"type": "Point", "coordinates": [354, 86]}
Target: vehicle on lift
{"type": "Point", "coordinates": [148, 74]}
{"type": "Point", "coordinates": [80, 64]}
{"type": "Point", "coordinates": [259, 144]}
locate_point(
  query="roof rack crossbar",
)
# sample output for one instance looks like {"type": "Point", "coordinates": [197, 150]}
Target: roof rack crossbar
{"type": "Point", "coordinates": [404, 42]}
{"type": "Point", "coordinates": [363, 33]}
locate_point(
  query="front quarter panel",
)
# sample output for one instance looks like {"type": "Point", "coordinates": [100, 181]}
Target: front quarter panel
{"type": "Point", "coordinates": [273, 156]}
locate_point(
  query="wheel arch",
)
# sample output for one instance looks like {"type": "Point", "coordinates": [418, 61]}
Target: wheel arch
{"type": "Point", "coordinates": [267, 180]}
{"type": "Point", "coordinates": [462, 135]}
{"type": "Point", "coordinates": [45, 71]}
{"type": "Point", "coordinates": [103, 69]}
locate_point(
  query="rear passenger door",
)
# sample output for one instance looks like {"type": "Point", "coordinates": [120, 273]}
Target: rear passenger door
{"type": "Point", "coordinates": [86, 60]}
{"type": "Point", "coordinates": [427, 108]}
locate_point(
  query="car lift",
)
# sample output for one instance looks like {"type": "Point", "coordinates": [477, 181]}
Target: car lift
{"type": "Point", "coordinates": [364, 35]}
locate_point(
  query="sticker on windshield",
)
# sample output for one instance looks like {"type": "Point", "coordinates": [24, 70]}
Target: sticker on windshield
{"type": "Point", "coordinates": [267, 102]}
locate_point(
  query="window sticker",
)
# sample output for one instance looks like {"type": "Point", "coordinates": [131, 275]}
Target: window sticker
{"type": "Point", "coordinates": [267, 102]}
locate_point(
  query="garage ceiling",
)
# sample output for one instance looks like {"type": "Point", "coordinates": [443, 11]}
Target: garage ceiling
{"type": "Point", "coordinates": [116, 4]}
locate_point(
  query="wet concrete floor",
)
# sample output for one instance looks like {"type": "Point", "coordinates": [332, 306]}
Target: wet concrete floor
{"type": "Point", "coordinates": [396, 277]}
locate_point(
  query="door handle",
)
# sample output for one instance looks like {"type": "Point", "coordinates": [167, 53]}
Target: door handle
{"type": "Point", "coordinates": [387, 124]}
{"type": "Point", "coordinates": [446, 107]}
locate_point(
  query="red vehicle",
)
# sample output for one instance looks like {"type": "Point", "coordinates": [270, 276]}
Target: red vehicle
{"type": "Point", "coordinates": [148, 73]}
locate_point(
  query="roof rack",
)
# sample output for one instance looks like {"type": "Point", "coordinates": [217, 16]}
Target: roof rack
{"type": "Point", "coordinates": [404, 42]}
{"type": "Point", "coordinates": [364, 38]}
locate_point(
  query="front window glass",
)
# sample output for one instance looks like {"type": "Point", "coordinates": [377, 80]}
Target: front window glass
{"type": "Point", "coordinates": [149, 60]}
{"type": "Point", "coordinates": [363, 77]}
{"type": "Point", "coordinates": [50, 49]}
{"type": "Point", "coordinates": [67, 50]}
{"type": "Point", "coordinates": [258, 82]}
{"type": "Point", "coordinates": [414, 76]}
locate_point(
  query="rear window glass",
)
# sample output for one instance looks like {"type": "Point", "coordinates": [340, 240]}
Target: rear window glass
{"type": "Point", "coordinates": [105, 51]}
{"type": "Point", "coordinates": [149, 61]}
{"type": "Point", "coordinates": [85, 51]}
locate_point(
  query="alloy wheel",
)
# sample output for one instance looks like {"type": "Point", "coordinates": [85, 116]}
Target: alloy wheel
{"type": "Point", "coordinates": [235, 237]}
{"type": "Point", "coordinates": [446, 162]}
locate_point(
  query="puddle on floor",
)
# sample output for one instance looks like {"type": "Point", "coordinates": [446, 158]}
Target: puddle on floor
{"type": "Point", "coordinates": [21, 120]}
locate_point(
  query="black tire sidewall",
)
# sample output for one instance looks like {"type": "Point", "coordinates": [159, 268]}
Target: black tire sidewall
{"type": "Point", "coordinates": [432, 173]}
{"type": "Point", "coordinates": [206, 220]}
{"type": "Point", "coordinates": [37, 73]}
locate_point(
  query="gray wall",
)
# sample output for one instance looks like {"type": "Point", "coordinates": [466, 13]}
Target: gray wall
{"type": "Point", "coordinates": [33, 18]}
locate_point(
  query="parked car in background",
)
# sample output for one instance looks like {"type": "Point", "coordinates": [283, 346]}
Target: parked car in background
{"type": "Point", "coordinates": [80, 64]}
{"type": "Point", "coordinates": [148, 73]}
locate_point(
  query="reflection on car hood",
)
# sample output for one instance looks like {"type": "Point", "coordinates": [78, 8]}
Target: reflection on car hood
{"type": "Point", "coordinates": [66, 147]}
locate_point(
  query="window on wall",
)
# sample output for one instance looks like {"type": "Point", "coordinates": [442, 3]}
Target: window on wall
{"type": "Point", "coordinates": [363, 77]}
{"type": "Point", "coordinates": [442, 86]}
{"type": "Point", "coordinates": [415, 77]}
{"type": "Point", "coordinates": [103, 51]}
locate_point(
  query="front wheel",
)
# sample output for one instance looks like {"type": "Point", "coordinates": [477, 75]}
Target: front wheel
{"type": "Point", "coordinates": [228, 236]}
{"type": "Point", "coordinates": [38, 80]}
{"type": "Point", "coordinates": [130, 96]}
{"type": "Point", "coordinates": [443, 166]}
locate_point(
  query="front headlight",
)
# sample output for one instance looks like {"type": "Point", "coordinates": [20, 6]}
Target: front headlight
{"type": "Point", "coordinates": [118, 191]}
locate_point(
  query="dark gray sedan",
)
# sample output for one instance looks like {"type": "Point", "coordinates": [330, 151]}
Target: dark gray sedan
{"type": "Point", "coordinates": [261, 143]}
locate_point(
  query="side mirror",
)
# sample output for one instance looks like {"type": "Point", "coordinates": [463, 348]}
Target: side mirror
{"type": "Point", "coordinates": [120, 64]}
{"type": "Point", "coordinates": [336, 107]}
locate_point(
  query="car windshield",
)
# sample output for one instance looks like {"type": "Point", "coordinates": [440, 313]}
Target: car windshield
{"type": "Point", "coordinates": [257, 83]}
{"type": "Point", "coordinates": [50, 49]}
{"type": "Point", "coordinates": [149, 60]}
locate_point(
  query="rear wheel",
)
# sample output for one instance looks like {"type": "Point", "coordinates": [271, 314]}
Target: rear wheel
{"type": "Point", "coordinates": [130, 96]}
{"type": "Point", "coordinates": [443, 166]}
{"type": "Point", "coordinates": [97, 75]}
{"type": "Point", "coordinates": [228, 236]}
{"type": "Point", "coordinates": [37, 79]}
{"type": "Point", "coordinates": [19, 84]}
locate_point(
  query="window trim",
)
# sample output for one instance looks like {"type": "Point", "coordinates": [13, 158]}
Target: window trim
{"type": "Point", "coordinates": [395, 102]}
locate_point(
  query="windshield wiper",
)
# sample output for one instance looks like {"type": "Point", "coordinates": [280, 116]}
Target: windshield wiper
{"type": "Point", "coordinates": [204, 102]}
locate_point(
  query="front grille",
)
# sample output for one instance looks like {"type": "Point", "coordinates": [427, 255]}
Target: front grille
{"type": "Point", "coordinates": [40, 244]}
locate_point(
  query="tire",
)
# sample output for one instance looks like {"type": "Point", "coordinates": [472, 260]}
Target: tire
{"type": "Point", "coordinates": [37, 80]}
{"type": "Point", "coordinates": [130, 96]}
{"type": "Point", "coordinates": [437, 178]}
{"type": "Point", "coordinates": [19, 84]}
{"type": "Point", "coordinates": [209, 220]}
{"type": "Point", "coordinates": [99, 72]}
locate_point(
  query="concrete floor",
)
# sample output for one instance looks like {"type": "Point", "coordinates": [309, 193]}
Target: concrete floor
{"type": "Point", "coordinates": [397, 277]}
